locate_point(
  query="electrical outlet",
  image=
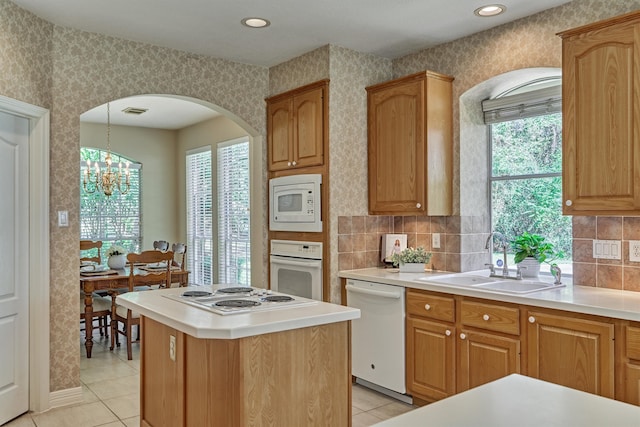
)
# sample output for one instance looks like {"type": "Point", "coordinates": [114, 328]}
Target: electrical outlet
{"type": "Point", "coordinates": [172, 347]}
{"type": "Point", "coordinates": [435, 240]}
{"type": "Point", "coordinates": [634, 250]}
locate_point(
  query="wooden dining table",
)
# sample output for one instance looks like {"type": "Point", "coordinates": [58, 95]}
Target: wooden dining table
{"type": "Point", "coordinates": [111, 280]}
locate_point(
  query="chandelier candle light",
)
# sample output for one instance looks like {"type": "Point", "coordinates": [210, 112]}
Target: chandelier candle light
{"type": "Point", "coordinates": [109, 179]}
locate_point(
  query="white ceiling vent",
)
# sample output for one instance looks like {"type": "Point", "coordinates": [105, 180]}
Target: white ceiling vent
{"type": "Point", "coordinates": [136, 111]}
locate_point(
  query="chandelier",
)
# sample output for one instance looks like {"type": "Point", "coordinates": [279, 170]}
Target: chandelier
{"type": "Point", "coordinates": [109, 179]}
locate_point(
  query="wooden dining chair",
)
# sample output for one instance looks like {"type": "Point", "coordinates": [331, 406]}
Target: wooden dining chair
{"type": "Point", "coordinates": [161, 245]}
{"type": "Point", "coordinates": [179, 255]}
{"type": "Point", "coordinates": [87, 245]}
{"type": "Point", "coordinates": [101, 305]}
{"type": "Point", "coordinates": [138, 276]}
{"type": "Point", "coordinates": [101, 311]}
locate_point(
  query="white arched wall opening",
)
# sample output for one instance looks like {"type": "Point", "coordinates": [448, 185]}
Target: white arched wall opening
{"type": "Point", "coordinates": [474, 161]}
{"type": "Point", "coordinates": [258, 180]}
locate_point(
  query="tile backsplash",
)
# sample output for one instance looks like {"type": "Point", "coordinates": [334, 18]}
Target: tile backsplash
{"type": "Point", "coordinates": [461, 240]}
{"type": "Point", "coordinates": [605, 273]}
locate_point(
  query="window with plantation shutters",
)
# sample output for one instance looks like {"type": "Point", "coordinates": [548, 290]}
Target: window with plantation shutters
{"type": "Point", "coordinates": [234, 264]}
{"type": "Point", "coordinates": [199, 216]}
{"type": "Point", "coordinates": [114, 219]}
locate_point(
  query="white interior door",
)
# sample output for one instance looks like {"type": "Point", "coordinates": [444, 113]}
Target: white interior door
{"type": "Point", "coordinates": [14, 256]}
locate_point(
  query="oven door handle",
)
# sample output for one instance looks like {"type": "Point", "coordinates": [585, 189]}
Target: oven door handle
{"type": "Point", "coordinates": [290, 261]}
{"type": "Point", "coordinates": [366, 291]}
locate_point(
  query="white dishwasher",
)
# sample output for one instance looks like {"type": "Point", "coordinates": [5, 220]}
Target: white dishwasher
{"type": "Point", "coordinates": [377, 337]}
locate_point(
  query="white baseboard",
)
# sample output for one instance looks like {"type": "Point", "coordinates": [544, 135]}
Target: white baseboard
{"type": "Point", "coordinates": [69, 396]}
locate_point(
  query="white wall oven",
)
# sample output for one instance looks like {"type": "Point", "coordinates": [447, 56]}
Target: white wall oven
{"type": "Point", "coordinates": [296, 268]}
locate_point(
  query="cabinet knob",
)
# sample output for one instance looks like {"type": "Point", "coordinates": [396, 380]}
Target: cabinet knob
{"type": "Point", "coordinates": [485, 317]}
{"type": "Point", "coordinates": [288, 163]}
{"type": "Point", "coordinates": [532, 319]}
{"type": "Point", "coordinates": [568, 203]}
{"type": "Point", "coordinates": [427, 307]}
{"type": "Point", "coordinates": [294, 163]}
{"type": "Point", "coordinates": [447, 333]}
{"type": "Point", "coordinates": [463, 336]}
{"type": "Point", "coordinates": [418, 205]}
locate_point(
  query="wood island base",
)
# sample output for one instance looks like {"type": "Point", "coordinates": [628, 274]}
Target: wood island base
{"type": "Point", "coordinates": [299, 377]}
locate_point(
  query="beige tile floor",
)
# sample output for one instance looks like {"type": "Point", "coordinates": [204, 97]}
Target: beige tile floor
{"type": "Point", "coordinates": [105, 406]}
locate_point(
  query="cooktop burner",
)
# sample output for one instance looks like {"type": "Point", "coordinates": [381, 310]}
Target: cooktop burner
{"type": "Point", "coordinates": [236, 303]}
{"type": "Point", "coordinates": [196, 294]}
{"type": "Point", "coordinates": [235, 290]}
{"type": "Point", "coordinates": [240, 299]}
{"type": "Point", "coordinates": [278, 298]}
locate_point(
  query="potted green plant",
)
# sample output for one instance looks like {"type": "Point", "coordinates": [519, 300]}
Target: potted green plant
{"type": "Point", "coordinates": [530, 251]}
{"type": "Point", "coordinates": [411, 260]}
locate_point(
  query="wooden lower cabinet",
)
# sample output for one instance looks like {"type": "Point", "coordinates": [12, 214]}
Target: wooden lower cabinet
{"type": "Point", "coordinates": [485, 357]}
{"type": "Point", "coordinates": [572, 351]}
{"type": "Point", "coordinates": [300, 377]}
{"type": "Point", "coordinates": [455, 343]}
{"type": "Point", "coordinates": [430, 359]}
{"type": "Point", "coordinates": [629, 363]}
{"type": "Point", "coordinates": [441, 361]}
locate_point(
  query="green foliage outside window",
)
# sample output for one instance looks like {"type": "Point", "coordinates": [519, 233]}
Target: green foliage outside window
{"type": "Point", "coordinates": [521, 201]}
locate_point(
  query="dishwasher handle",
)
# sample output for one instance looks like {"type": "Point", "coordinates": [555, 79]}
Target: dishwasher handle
{"type": "Point", "coordinates": [374, 292]}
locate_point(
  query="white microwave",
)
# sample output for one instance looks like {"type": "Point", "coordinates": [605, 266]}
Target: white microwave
{"type": "Point", "coordinates": [294, 203]}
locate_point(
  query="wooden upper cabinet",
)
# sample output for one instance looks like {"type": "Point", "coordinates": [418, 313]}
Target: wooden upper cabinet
{"type": "Point", "coordinates": [297, 127]}
{"type": "Point", "coordinates": [410, 129]}
{"type": "Point", "coordinates": [601, 117]}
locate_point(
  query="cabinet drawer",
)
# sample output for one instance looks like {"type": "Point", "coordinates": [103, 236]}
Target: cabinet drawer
{"type": "Point", "coordinates": [633, 343]}
{"type": "Point", "coordinates": [431, 306]}
{"type": "Point", "coordinates": [490, 317]}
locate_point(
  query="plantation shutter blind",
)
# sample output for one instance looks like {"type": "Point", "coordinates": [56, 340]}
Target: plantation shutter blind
{"type": "Point", "coordinates": [233, 189]}
{"type": "Point", "coordinates": [199, 216]}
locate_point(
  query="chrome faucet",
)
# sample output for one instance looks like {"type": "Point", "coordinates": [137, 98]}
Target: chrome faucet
{"type": "Point", "coordinates": [490, 244]}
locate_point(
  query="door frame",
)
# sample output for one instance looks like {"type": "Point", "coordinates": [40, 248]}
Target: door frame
{"type": "Point", "coordinates": [39, 302]}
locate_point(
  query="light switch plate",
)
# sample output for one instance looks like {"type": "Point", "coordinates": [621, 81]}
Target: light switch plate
{"type": "Point", "coordinates": [63, 218]}
{"type": "Point", "coordinates": [607, 249]}
{"type": "Point", "coordinates": [435, 240]}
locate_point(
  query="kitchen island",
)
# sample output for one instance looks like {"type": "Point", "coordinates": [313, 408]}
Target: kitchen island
{"type": "Point", "coordinates": [287, 366]}
{"type": "Point", "coordinates": [522, 401]}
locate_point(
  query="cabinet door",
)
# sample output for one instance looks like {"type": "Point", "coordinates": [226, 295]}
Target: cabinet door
{"type": "Point", "coordinates": [631, 383]}
{"type": "Point", "coordinates": [308, 146]}
{"type": "Point", "coordinates": [485, 357]}
{"type": "Point", "coordinates": [280, 134]}
{"type": "Point", "coordinates": [161, 377]}
{"type": "Point", "coordinates": [601, 121]}
{"type": "Point", "coordinates": [430, 359]}
{"type": "Point", "coordinates": [397, 149]}
{"type": "Point", "coordinates": [577, 353]}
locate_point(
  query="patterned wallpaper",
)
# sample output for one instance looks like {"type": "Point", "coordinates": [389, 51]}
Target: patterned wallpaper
{"type": "Point", "coordinates": [70, 71]}
{"type": "Point", "coordinates": [25, 56]}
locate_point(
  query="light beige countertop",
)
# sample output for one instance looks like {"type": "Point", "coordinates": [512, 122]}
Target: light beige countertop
{"type": "Point", "coordinates": [580, 299]}
{"type": "Point", "coordinates": [517, 400]}
{"type": "Point", "coordinates": [201, 323]}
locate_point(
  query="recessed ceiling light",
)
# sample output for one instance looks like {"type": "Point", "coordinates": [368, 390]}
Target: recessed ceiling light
{"type": "Point", "coordinates": [490, 10]}
{"type": "Point", "coordinates": [255, 22]}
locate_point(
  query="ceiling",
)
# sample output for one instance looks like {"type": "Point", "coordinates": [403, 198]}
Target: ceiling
{"type": "Point", "coordinates": [386, 28]}
{"type": "Point", "coordinates": [163, 112]}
